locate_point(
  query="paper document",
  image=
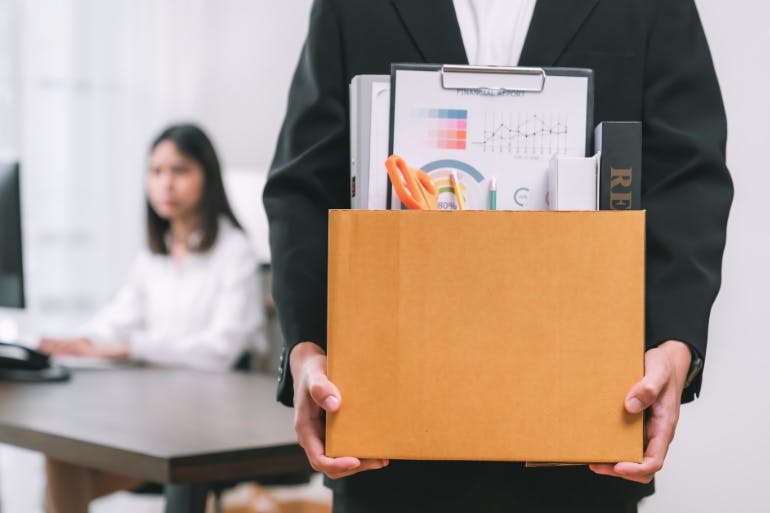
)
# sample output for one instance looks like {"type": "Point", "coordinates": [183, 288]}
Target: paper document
{"type": "Point", "coordinates": [506, 131]}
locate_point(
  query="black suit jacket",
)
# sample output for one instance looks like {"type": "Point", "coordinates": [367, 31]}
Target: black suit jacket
{"type": "Point", "coordinates": [651, 63]}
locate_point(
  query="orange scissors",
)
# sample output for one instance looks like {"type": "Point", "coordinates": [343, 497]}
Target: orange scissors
{"type": "Point", "coordinates": [413, 186]}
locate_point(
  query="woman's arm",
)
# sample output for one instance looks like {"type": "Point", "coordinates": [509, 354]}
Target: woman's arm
{"type": "Point", "coordinates": [234, 323]}
{"type": "Point", "coordinates": [106, 334]}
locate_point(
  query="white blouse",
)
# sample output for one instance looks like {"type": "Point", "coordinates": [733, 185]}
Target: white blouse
{"type": "Point", "coordinates": [494, 31]}
{"type": "Point", "coordinates": [201, 312]}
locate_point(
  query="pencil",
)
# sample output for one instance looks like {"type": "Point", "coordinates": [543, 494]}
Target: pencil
{"type": "Point", "coordinates": [493, 194]}
{"type": "Point", "coordinates": [458, 193]}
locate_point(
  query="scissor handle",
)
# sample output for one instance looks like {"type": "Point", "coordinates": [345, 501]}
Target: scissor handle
{"type": "Point", "coordinates": [419, 193]}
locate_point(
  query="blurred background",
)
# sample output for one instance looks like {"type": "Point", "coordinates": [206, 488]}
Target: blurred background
{"type": "Point", "coordinates": [84, 88]}
{"type": "Point", "coordinates": [86, 84]}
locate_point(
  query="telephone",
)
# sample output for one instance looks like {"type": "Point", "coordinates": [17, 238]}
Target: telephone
{"type": "Point", "coordinates": [20, 363]}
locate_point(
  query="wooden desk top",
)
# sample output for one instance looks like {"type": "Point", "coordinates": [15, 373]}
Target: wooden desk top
{"type": "Point", "coordinates": [168, 426]}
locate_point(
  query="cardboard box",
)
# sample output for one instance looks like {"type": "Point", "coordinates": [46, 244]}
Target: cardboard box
{"type": "Point", "coordinates": [486, 335]}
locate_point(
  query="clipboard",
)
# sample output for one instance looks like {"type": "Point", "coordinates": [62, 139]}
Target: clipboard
{"type": "Point", "coordinates": [485, 122]}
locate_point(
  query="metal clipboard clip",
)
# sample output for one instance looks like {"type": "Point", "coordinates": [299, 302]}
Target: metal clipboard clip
{"type": "Point", "coordinates": [498, 80]}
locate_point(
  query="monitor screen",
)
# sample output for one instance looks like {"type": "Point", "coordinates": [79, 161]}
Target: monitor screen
{"type": "Point", "coordinates": [11, 269]}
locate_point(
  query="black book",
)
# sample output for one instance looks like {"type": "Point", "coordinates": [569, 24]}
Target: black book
{"type": "Point", "coordinates": [620, 171]}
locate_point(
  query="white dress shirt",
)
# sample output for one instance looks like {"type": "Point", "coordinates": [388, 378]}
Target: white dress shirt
{"type": "Point", "coordinates": [200, 312]}
{"type": "Point", "coordinates": [494, 31]}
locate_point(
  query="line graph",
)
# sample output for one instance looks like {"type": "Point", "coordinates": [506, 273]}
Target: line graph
{"type": "Point", "coordinates": [524, 134]}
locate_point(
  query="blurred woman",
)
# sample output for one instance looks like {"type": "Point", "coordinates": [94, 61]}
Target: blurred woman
{"type": "Point", "coordinates": [191, 299]}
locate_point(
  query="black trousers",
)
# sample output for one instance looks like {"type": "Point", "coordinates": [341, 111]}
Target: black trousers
{"type": "Point", "coordinates": [483, 487]}
{"type": "Point", "coordinates": [344, 503]}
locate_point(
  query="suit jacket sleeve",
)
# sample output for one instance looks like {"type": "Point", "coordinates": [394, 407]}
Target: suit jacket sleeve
{"type": "Point", "coordinates": [687, 190]}
{"type": "Point", "coordinates": [308, 176]}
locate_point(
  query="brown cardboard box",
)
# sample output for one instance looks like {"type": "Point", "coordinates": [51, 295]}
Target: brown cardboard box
{"type": "Point", "coordinates": [486, 335]}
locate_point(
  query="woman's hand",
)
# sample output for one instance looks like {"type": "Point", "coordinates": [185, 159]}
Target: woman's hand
{"type": "Point", "coordinates": [82, 347]}
{"type": "Point", "coordinates": [314, 394]}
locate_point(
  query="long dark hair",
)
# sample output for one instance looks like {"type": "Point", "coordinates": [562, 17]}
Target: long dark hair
{"type": "Point", "coordinates": [193, 142]}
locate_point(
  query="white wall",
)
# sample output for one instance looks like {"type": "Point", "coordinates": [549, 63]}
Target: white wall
{"type": "Point", "coordinates": [251, 52]}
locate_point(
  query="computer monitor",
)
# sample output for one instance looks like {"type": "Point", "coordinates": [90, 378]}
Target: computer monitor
{"type": "Point", "coordinates": [11, 265]}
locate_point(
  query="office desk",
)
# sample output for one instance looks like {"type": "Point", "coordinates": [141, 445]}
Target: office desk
{"type": "Point", "coordinates": [176, 427]}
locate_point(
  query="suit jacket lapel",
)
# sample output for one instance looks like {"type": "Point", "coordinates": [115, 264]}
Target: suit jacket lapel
{"type": "Point", "coordinates": [432, 24]}
{"type": "Point", "coordinates": [554, 23]}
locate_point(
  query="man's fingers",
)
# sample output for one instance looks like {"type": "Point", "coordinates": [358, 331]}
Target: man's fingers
{"type": "Point", "coordinates": [311, 442]}
{"type": "Point", "coordinates": [611, 470]}
{"type": "Point", "coordinates": [308, 421]}
{"type": "Point", "coordinates": [654, 456]}
{"type": "Point", "coordinates": [646, 392]}
{"type": "Point", "coordinates": [660, 429]}
{"type": "Point", "coordinates": [309, 435]}
{"type": "Point", "coordinates": [366, 464]}
{"type": "Point", "coordinates": [335, 468]}
{"type": "Point", "coordinates": [605, 469]}
{"type": "Point", "coordinates": [324, 393]}
{"type": "Point", "coordinates": [643, 472]}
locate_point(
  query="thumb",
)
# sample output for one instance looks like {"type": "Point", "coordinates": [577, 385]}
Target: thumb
{"type": "Point", "coordinates": [324, 393]}
{"type": "Point", "coordinates": [644, 394]}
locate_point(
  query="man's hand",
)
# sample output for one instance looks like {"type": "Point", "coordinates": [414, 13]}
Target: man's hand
{"type": "Point", "coordinates": [660, 390]}
{"type": "Point", "coordinates": [82, 347]}
{"type": "Point", "coordinates": [314, 394]}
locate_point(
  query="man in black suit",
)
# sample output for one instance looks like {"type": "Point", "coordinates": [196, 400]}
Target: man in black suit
{"type": "Point", "coordinates": [651, 63]}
